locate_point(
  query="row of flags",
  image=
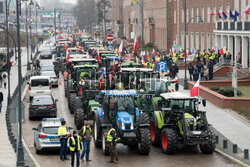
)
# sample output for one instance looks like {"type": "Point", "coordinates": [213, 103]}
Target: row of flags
{"type": "Point", "coordinates": [232, 14]}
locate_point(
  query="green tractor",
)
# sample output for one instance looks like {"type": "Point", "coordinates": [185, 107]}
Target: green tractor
{"type": "Point", "coordinates": [179, 123]}
{"type": "Point", "coordinates": [131, 65]}
{"type": "Point", "coordinates": [80, 73]}
{"type": "Point", "coordinates": [118, 109]}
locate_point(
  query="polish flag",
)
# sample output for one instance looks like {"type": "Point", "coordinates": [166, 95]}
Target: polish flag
{"type": "Point", "coordinates": [65, 46]}
{"type": "Point", "coordinates": [120, 48]}
{"type": "Point", "coordinates": [195, 90]}
{"type": "Point", "coordinates": [61, 36]}
{"type": "Point", "coordinates": [113, 69]}
{"type": "Point", "coordinates": [212, 13]}
{"type": "Point", "coordinates": [135, 81]}
{"type": "Point", "coordinates": [247, 9]}
{"type": "Point", "coordinates": [110, 79]}
{"type": "Point", "coordinates": [135, 45]}
{"type": "Point", "coordinates": [80, 91]}
{"type": "Point", "coordinates": [100, 83]}
{"type": "Point", "coordinates": [98, 58]}
{"type": "Point", "coordinates": [222, 51]}
{"type": "Point", "coordinates": [67, 59]}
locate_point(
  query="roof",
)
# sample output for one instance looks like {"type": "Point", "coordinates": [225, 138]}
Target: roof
{"type": "Point", "coordinates": [136, 69]}
{"type": "Point", "coordinates": [130, 63]}
{"type": "Point", "coordinates": [74, 49]}
{"type": "Point", "coordinates": [52, 121]}
{"type": "Point", "coordinates": [82, 60]}
{"type": "Point", "coordinates": [119, 92]}
{"type": "Point", "coordinates": [85, 66]}
{"type": "Point", "coordinates": [176, 95]}
{"type": "Point", "coordinates": [42, 96]}
{"type": "Point", "coordinates": [39, 77]}
{"type": "Point", "coordinates": [112, 57]}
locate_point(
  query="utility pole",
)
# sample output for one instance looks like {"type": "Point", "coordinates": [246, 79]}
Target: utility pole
{"type": "Point", "coordinates": [20, 153]}
{"type": "Point", "coordinates": [59, 19]}
{"type": "Point", "coordinates": [31, 58]}
{"type": "Point", "coordinates": [27, 36]}
{"type": "Point", "coordinates": [7, 47]}
{"type": "Point", "coordinates": [185, 42]}
{"type": "Point", "coordinates": [104, 21]}
{"type": "Point", "coordinates": [142, 24]}
{"type": "Point", "coordinates": [55, 21]}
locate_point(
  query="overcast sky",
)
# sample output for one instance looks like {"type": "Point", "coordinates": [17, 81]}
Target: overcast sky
{"type": "Point", "coordinates": [70, 1]}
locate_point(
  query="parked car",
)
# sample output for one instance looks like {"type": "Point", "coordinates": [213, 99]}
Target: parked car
{"type": "Point", "coordinates": [42, 106]}
{"type": "Point", "coordinates": [45, 135]}
{"type": "Point", "coordinates": [53, 77]}
{"type": "Point", "coordinates": [46, 53]}
{"type": "Point", "coordinates": [39, 85]}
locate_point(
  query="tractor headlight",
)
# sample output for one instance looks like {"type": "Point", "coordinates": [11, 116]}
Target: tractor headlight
{"type": "Point", "coordinates": [123, 126]}
{"type": "Point", "coordinates": [132, 126]}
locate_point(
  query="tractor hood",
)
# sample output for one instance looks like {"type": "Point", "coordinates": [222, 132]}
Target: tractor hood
{"type": "Point", "coordinates": [124, 121]}
{"type": "Point", "coordinates": [94, 104]}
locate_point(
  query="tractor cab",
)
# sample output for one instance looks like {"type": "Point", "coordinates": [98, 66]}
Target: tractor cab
{"type": "Point", "coordinates": [108, 60]}
{"type": "Point", "coordinates": [131, 64]}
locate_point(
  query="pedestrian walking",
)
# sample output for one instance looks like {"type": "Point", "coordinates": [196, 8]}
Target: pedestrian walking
{"type": "Point", "coordinates": [112, 141]}
{"type": "Point", "coordinates": [62, 133]}
{"type": "Point", "coordinates": [86, 133]}
{"type": "Point", "coordinates": [191, 71]}
{"type": "Point", "coordinates": [196, 74]}
{"type": "Point", "coordinates": [75, 147]}
{"type": "Point", "coordinates": [38, 64]}
{"type": "Point", "coordinates": [4, 78]}
{"type": "Point", "coordinates": [1, 100]}
{"type": "Point", "coordinates": [210, 70]}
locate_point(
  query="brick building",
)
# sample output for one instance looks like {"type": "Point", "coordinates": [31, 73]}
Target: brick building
{"type": "Point", "coordinates": [212, 32]}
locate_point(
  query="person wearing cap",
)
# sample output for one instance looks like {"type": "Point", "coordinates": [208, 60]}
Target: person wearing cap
{"type": "Point", "coordinates": [112, 141]}
{"type": "Point", "coordinates": [62, 133]}
{"type": "Point", "coordinates": [86, 135]}
{"type": "Point", "coordinates": [75, 147]}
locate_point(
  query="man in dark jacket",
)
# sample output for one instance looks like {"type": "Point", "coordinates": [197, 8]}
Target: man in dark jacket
{"type": "Point", "coordinates": [196, 74]}
{"type": "Point", "coordinates": [1, 101]}
{"type": "Point", "coordinates": [75, 147]}
{"type": "Point", "coordinates": [191, 71]}
{"type": "Point", "coordinates": [85, 133]}
{"type": "Point", "coordinates": [112, 141]}
{"type": "Point", "coordinates": [210, 70]}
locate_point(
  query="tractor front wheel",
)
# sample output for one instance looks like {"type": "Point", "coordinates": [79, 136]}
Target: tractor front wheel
{"type": "Point", "coordinates": [72, 97]}
{"type": "Point", "coordinates": [210, 147]}
{"type": "Point", "coordinates": [65, 89]}
{"type": "Point", "coordinates": [105, 147]}
{"type": "Point", "coordinates": [79, 118]}
{"type": "Point", "coordinates": [144, 144]}
{"type": "Point", "coordinates": [168, 141]}
{"type": "Point", "coordinates": [96, 133]}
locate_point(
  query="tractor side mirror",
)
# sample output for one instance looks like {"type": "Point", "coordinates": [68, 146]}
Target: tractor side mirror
{"type": "Point", "coordinates": [204, 102]}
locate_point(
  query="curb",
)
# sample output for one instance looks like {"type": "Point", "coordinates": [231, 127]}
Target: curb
{"type": "Point", "coordinates": [238, 162]}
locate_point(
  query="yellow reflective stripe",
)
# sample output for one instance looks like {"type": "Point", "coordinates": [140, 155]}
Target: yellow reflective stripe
{"type": "Point", "coordinates": [74, 143]}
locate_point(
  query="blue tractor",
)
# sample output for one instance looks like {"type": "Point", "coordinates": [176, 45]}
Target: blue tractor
{"type": "Point", "coordinates": [131, 125]}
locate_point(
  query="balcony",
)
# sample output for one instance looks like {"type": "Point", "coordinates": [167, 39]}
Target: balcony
{"type": "Point", "coordinates": [219, 26]}
{"type": "Point", "coordinates": [246, 26]}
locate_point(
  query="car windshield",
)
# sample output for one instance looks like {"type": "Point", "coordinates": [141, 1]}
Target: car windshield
{"type": "Point", "coordinates": [42, 100]}
{"type": "Point", "coordinates": [47, 68]}
{"type": "Point", "coordinates": [122, 104]}
{"type": "Point", "coordinates": [50, 130]}
{"type": "Point", "coordinates": [47, 51]}
{"type": "Point", "coordinates": [49, 74]}
{"type": "Point", "coordinates": [39, 82]}
{"type": "Point", "coordinates": [72, 52]}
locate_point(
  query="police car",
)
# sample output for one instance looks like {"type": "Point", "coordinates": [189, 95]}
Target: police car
{"type": "Point", "coordinates": [45, 135]}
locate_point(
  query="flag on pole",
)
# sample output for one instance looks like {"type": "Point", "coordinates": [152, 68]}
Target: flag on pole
{"type": "Point", "coordinates": [236, 14]}
{"type": "Point", "coordinates": [247, 9]}
{"type": "Point", "coordinates": [113, 69]}
{"type": "Point", "coordinates": [221, 51]}
{"type": "Point", "coordinates": [100, 83]}
{"type": "Point", "coordinates": [195, 90]}
{"type": "Point", "coordinates": [212, 13]}
{"type": "Point", "coordinates": [65, 46]}
{"type": "Point", "coordinates": [67, 59]}
{"type": "Point", "coordinates": [231, 14]}
{"type": "Point", "coordinates": [135, 81]}
{"type": "Point", "coordinates": [218, 13]}
{"type": "Point", "coordinates": [120, 48]}
{"type": "Point", "coordinates": [224, 14]}
{"type": "Point", "coordinates": [135, 45]}
{"type": "Point", "coordinates": [97, 56]}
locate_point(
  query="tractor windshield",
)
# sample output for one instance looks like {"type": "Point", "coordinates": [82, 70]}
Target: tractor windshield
{"type": "Point", "coordinates": [73, 52]}
{"type": "Point", "coordinates": [186, 105]}
{"type": "Point", "coordinates": [87, 73]}
{"type": "Point", "coordinates": [158, 86]}
{"type": "Point", "coordinates": [122, 104]}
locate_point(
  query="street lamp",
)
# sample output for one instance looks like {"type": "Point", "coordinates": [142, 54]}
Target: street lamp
{"type": "Point", "coordinates": [185, 39]}
{"type": "Point", "coordinates": [27, 36]}
{"type": "Point", "coordinates": [55, 22]}
{"type": "Point", "coordinates": [37, 7]}
{"type": "Point", "coordinates": [30, 25]}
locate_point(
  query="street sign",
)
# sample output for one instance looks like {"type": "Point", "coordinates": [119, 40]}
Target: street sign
{"type": "Point", "coordinates": [110, 37]}
{"type": "Point", "coordinates": [110, 46]}
{"type": "Point", "coordinates": [162, 66]}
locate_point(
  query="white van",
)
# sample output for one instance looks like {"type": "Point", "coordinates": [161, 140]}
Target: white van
{"type": "Point", "coordinates": [39, 85]}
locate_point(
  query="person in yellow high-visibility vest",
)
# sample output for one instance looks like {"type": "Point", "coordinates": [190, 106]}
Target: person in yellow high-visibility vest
{"type": "Point", "coordinates": [112, 141]}
{"type": "Point", "coordinates": [86, 135]}
{"type": "Point", "coordinates": [62, 133]}
{"type": "Point", "coordinates": [198, 55]}
{"type": "Point", "coordinates": [204, 56]}
{"type": "Point", "coordinates": [75, 147]}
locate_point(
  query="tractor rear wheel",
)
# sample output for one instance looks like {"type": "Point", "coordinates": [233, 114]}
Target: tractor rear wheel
{"type": "Point", "coordinates": [77, 103]}
{"type": "Point", "coordinates": [96, 133]}
{"type": "Point", "coordinates": [105, 146]}
{"type": "Point", "coordinates": [65, 89]}
{"type": "Point", "coordinates": [168, 141]}
{"type": "Point", "coordinates": [144, 119]}
{"type": "Point", "coordinates": [144, 144]}
{"type": "Point", "coordinates": [210, 147]}
{"type": "Point", "coordinates": [79, 118]}
{"type": "Point", "coordinates": [72, 97]}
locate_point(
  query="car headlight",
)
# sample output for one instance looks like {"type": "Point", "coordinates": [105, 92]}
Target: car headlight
{"type": "Point", "coordinates": [132, 126]}
{"type": "Point", "coordinates": [123, 126]}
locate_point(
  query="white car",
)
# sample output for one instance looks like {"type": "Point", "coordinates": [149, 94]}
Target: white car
{"type": "Point", "coordinates": [53, 77]}
{"type": "Point", "coordinates": [39, 85]}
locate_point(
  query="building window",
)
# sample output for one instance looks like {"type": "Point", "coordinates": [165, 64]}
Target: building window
{"type": "Point", "coordinates": [182, 39]}
{"type": "Point", "coordinates": [187, 14]}
{"type": "Point", "coordinates": [187, 40]}
{"type": "Point", "coordinates": [192, 40]}
{"type": "Point", "coordinates": [208, 41]}
{"type": "Point", "coordinates": [192, 13]}
{"type": "Point", "coordinates": [174, 16]}
{"type": "Point", "coordinates": [214, 10]}
{"type": "Point", "coordinates": [1, 7]}
{"type": "Point", "coordinates": [203, 13]}
{"type": "Point", "coordinates": [202, 41]}
{"type": "Point", "coordinates": [197, 41]}
{"type": "Point", "coordinates": [182, 15]}
{"type": "Point", "coordinates": [197, 13]}
{"type": "Point", "coordinates": [177, 39]}
{"type": "Point", "coordinates": [213, 40]}
{"type": "Point", "coordinates": [208, 14]}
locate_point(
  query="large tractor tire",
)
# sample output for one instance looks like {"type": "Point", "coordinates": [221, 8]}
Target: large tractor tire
{"type": "Point", "coordinates": [69, 88]}
{"type": "Point", "coordinates": [97, 132]}
{"type": "Point", "coordinates": [144, 119]}
{"type": "Point", "coordinates": [210, 147]}
{"type": "Point", "coordinates": [168, 141]}
{"type": "Point", "coordinates": [65, 89]}
{"type": "Point", "coordinates": [105, 147]}
{"type": "Point", "coordinates": [144, 144]}
{"type": "Point", "coordinates": [77, 103]}
{"type": "Point", "coordinates": [155, 134]}
{"type": "Point", "coordinates": [79, 118]}
{"type": "Point", "coordinates": [72, 97]}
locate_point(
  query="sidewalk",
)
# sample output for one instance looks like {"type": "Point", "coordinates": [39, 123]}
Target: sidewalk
{"type": "Point", "coordinates": [7, 154]}
{"type": "Point", "coordinates": [225, 122]}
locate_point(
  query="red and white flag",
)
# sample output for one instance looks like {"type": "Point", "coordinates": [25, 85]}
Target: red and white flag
{"type": "Point", "coordinates": [135, 81]}
{"type": "Point", "coordinates": [120, 48]}
{"type": "Point", "coordinates": [61, 36]}
{"type": "Point", "coordinates": [222, 51]}
{"type": "Point", "coordinates": [67, 59]}
{"type": "Point", "coordinates": [195, 89]}
{"type": "Point", "coordinates": [110, 79]}
{"type": "Point", "coordinates": [65, 46]}
{"type": "Point", "coordinates": [97, 57]}
{"type": "Point", "coordinates": [135, 45]}
{"type": "Point", "coordinates": [113, 69]}
{"type": "Point", "coordinates": [100, 83]}
{"type": "Point", "coordinates": [212, 13]}
{"type": "Point", "coordinates": [247, 9]}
